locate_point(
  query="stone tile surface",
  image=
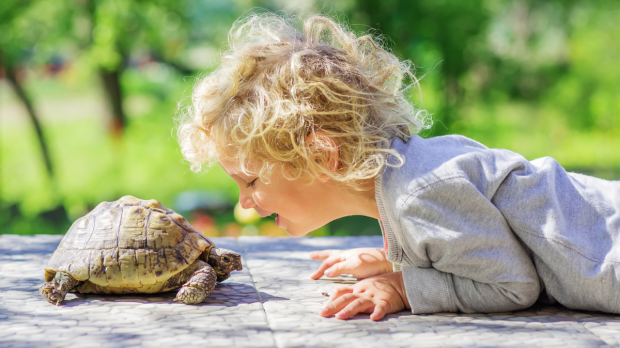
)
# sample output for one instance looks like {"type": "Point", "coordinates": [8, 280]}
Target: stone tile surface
{"type": "Point", "coordinates": [271, 303]}
{"type": "Point", "coordinates": [281, 268]}
{"type": "Point", "coordinates": [231, 317]}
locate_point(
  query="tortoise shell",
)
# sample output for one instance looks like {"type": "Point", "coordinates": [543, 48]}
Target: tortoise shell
{"type": "Point", "coordinates": [128, 243]}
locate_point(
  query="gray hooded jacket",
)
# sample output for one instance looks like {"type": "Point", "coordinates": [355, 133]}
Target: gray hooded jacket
{"type": "Point", "coordinates": [484, 230]}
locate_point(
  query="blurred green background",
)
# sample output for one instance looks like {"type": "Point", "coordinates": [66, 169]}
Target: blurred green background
{"type": "Point", "coordinates": [89, 89]}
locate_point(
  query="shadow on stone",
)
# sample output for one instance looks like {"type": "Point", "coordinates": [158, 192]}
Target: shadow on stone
{"type": "Point", "coordinates": [228, 294]}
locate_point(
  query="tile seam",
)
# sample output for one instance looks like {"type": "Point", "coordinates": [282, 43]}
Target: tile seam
{"type": "Point", "coordinates": [260, 298]}
{"type": "Point", "coordinates": [570, 315]}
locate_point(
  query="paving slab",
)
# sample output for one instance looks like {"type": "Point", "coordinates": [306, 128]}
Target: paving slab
{"type": "Point", "coordinates": [271, 303]}
{"type": "Point", "coordinates": [281, 268]}
{"type": "Point", "coordinates": [231, 317]}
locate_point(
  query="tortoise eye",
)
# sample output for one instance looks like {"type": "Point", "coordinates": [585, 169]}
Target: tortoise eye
{"type": "Point", "coordinates": [226, 259]}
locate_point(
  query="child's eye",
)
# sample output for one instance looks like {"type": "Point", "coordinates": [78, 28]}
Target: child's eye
{"type": "Point", "coordinates": [251, 183]}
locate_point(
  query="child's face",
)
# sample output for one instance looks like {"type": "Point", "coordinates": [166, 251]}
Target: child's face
{"type": "Point", "coordinates": [300, 207]}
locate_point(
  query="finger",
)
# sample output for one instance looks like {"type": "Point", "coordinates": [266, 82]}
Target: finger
{"type": "Point", "coordinates": [340, 291]}
{"type": "Point", "coordinates": [379, 312]}
{"type": "Point", "coordinates": [354, 307]}
{"type": "Point", "coordinates": [338, 268]}
{"type": "Point", "coordinates": [336, 304]}
{"type": "Point", "coordinates": [322, 254]}
{"type": "Point", "coordinates": [336, 293]}
{"type": "Point", "coordinates": [327, 263]}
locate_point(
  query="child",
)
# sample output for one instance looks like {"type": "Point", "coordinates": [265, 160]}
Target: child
{"type": "Point", "coordinates": [315, 124]}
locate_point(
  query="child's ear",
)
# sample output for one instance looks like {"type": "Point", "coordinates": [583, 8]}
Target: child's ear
{"type": "Point", "coordinates": [326, 152]}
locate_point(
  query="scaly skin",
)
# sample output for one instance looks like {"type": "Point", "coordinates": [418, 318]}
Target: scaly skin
{"type": "Point", "coordinates": [55, 290]}
{"type": "Point", "coordinates": [224, 261]}
{"type": "Point", "coordinates": [199, 286]}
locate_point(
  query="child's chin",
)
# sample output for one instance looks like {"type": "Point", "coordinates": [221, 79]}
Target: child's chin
{"type": "Point", "coordinates": [292, 229]}
{"type": "Point", "coordinates": [295, 232]}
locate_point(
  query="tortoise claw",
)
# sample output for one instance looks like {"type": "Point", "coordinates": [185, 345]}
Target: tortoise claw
{"type": "Point", "coordinates": [55, 290]}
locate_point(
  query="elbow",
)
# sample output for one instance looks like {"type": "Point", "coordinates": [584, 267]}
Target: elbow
{"type": "Point", "coordinates": [523, 296]}
{"type": "Point", "coordinates": [501, 297]}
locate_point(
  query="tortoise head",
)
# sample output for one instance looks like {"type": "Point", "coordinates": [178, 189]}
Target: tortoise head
{"type": "Point", "coordinates": [223, 262]}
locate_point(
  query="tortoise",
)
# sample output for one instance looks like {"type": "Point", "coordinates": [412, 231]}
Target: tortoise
{"type": "Point", "coordinates": [136, 246]}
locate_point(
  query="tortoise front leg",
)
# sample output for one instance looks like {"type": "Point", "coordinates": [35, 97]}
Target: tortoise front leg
{"type": "Point", "coordinates": [198, 287]}
{"type": "Point", "coordinates": [56, 289]}
{"type": "Point", "coordinates": [202, 279]}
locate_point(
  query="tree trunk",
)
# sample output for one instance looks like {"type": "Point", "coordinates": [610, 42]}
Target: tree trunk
{"type": "Point", "coordinates": [114, 95]}
{"type": "Point", "coordinates": [21, 94]}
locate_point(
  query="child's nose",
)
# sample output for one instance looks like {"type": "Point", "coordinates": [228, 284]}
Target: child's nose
{"type": "Point", "coordinates": [247, 203]}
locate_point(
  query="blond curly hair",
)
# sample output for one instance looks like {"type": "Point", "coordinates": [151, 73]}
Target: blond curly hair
{"type": "Point", "coordinates": [292, 97]}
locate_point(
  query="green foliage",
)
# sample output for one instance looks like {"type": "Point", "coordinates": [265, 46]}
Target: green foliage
{"type": "Point", "coordinates": [30, 28]}
{"type": "Point", "coordinates": [539, 78]}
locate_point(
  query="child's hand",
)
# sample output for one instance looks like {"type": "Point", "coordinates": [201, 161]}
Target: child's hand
{"type": "Point", "coordinates": [361, 262]}
{"type": "Point", "coordinates": [380, 295]}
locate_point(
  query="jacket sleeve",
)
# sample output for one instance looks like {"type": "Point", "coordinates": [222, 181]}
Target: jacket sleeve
{"type": "Point", "coordinates": [463, 256]}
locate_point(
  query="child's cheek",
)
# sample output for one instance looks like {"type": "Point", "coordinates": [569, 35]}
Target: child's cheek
{"type": "Point", "coordinates": [261, 200]}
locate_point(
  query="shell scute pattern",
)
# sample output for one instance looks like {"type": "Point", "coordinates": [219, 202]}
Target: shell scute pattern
{"type": "Point", "coordinates": [105, 234]}
{"type": "Point", "coordinates": [180, 220]}
{"type": "Point", "coordinates": [112, 267]}
{"type": "Point", "coordinates": [188, 252]}
{"type": "Point", "coordinates": [80, 233]}
{"type": "Point", "coordinates": [100, 207]}
{"type": "Point", "coordinates": [197, 241]}
{"type": "Point", "coordinates": [158, 261]}
{"type": "Point", "coordinates": [128, 243]}
{"type": "Point", "coordinates": [163, 232]}
{"type": "Point", "coordinates": [97, 268]}
{"type": "Point", "coordinates": [154, 205]}
{"type": "Point", "coordinates": [129, 266]}
{"type": "Point", "coordinates": [146, 264]}
{"type": "Point", "coordinates": [132, 231]}
{"type": "Point", "coordinates": [79, 265]}
{"type": "Point", "coordinates": [126, 201]}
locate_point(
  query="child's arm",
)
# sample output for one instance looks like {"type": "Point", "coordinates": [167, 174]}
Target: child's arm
{"type": "Point", "coordinates": [380, 295]}
{"type": "Point", "coordinates": [360, 262]}
{"type": "Point", "coordinates": [467, 258]}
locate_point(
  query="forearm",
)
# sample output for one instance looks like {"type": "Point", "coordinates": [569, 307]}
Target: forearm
{"type": "Point", "coordinates": [429, 290]}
